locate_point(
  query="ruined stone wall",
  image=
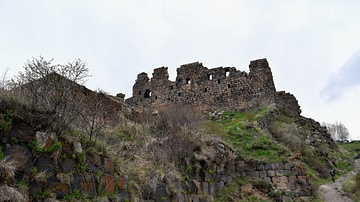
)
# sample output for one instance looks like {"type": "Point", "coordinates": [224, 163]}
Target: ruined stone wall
{"type": "Point", "coordinates": [206, 175]}
{"type": "Point", "coordinates": [222, 88]}
{"type": "Point", "coordinates": [288, 102]}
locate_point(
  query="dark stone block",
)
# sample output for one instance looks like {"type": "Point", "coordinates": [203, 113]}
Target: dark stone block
{"type": "Point", "coordinates": [35, 187]}
{"type": "Point", "coordinates": [68, 165]}
{"type": "Point", "coordinates": [124, 196]}
{"type": "Point", "coordinates": [280, 166]}
{"type": "Point", "coordinates": [108, 184]}
{"type": "Point", "coordinates": [109, 166]}
{"type": "Point", "coordinates": [60, 189]}
{"type": "Point", "coordinates": [21, 155]}
{"type": "Point", "coordinates": [121, 182]}
{"type": "Point", "coordinates": [45, 163]}
{"type": "Point", "coordinates": [159, 192]}
{"type": "Point", "coordinates": [22, 132]}
{"type": "Point", "coordinates": [260, 167]}
{"type": "Point", "coordinates": [88, 185]}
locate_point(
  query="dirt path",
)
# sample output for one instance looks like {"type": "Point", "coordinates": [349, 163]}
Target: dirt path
{"type": "Point", "coordinates": [331, 192]}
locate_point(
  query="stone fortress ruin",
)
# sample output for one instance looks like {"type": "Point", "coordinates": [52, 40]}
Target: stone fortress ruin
{"type": "Point", "coordinates": [222, 88]}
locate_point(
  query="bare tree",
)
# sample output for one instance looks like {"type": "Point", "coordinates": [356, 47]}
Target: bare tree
{"type": "Point", "coordinates": [342, 131]}
{"type": "Point", "coordinates": [331, 129]}
{"type": "Point", "coordinates": [338, 131]}
{"type": "Point", "coordinates": [54, 88]}
{"type": "Point", "coordinates": [95, 116]}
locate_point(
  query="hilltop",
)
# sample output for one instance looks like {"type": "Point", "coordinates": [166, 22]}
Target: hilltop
{"type": "Point", "coordinates": [212, 135]}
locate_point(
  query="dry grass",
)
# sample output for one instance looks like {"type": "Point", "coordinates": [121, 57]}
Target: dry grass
{"type": "Point", "coordinates": [151, 151]}
{"type": "Point", "coordinates": [7, 170]}
{"type": "Point", "coordinates": [288, 134]}
{"type": "Point", "coordinates": [10, 194]}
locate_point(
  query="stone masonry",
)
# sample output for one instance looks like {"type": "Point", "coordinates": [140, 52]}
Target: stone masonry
{"type": "Point", "coordinates": [222, 88]}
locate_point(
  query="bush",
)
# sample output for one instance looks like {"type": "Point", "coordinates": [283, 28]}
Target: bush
{"type": "Point", "coordinates": [355, 189]}
{"type": "Point", "coordinates": [176, 132]}
{"type": "Point", "coordinates": [53, 88]}
{"type": "Point", "coordinates": [351, 187]}
{"type": "Point", "coordinates": [287, 133]}
{"type": "Point", "coordinates": [315, 162]}
{"type": "Point", "coordinates": [153, 152]}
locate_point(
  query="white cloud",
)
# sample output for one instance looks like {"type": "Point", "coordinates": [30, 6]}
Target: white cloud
{"type": "Point", "coordinates": [343, 80]}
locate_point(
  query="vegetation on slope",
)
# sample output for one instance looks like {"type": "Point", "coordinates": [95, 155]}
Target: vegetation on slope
{"type": "Point", "coordinates": [352, 147]}
{"type": "Point", "coordinates": [351, 186]}
{"type": "Point", "coordinates": [249, 141]}
{"type": "Point", "coordinates": [163, 151]}
{"type": "Point", "coordinates": [282, 139]}
{"type": "Point", "coordinates": [161, 148]}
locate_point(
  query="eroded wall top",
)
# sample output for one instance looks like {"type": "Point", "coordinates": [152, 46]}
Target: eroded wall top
{"type": "Point", "coordinates": [221, 88]}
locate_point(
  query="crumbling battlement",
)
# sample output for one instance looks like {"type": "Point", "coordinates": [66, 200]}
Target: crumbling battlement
{"type": "Point", "coordinates": [222, 88]}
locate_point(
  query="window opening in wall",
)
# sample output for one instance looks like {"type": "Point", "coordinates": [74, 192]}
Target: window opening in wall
{"type": "Point", "coordinates": [179, 94]}
{"type": "Point", "coordinates": [147, 93]}
{"type": "Point", "coordinates": [227, 73]}
{"type": "Point", "coordinates": [228, 85]}
{"type": "Point", "coordinates": [155, 97]}
{"type": "Point", "coordinates": [205, 90]}
{"type": "Point", "coordinates": [219, 81]}
{"type": "Point", "coordinates": [209, 76]}
{"type": "Point", "coordinates": [171, 87]}
{"type": "Point", "coordinates": [139, 92]}
{"type": "Point", "coordinates": [188, 81]}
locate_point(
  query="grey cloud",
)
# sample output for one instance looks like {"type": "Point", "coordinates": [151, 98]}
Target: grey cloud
{"type": "Point", "coordinates": [345, 79]}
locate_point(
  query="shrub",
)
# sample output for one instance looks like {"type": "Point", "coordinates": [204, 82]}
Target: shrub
{"type": "Point", "coordinates": [355, 188]}
{"type": "Point", "coordinates": [53, 88]}
{"type": "Point", "coordinates": [287, 133]}
{"type": "Point", "coordinates": [152, 151]}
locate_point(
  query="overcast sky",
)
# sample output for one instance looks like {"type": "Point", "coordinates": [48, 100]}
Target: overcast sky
{"type": "Point", "coordinates": [313, 47]}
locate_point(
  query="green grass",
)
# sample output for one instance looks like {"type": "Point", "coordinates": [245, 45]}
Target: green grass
{"type": "Point", "coordinates": [233, 192]}
{"type": "Point", "coordinates": [351, 187]}
{"type": "Point", "coordinates": [263, 112]}
{"type": "Point", "coordinates": [344, 166]}
{"type": "Point", "coordinates": [251, 144]}
{"type": "Point", "coordinates": [353, 148]}
{"type": "Point", "coordinates": [239, 129]}
{"type": "Point", "coordinates": [76, 195]}
{"type": "Point", "coordinates": [36, 147]}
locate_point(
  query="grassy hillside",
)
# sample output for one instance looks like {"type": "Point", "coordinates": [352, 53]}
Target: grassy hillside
{"type": "Point", "coordinates": [173, 154]}
{"type": "Point", "coordinates": [352, 147]}
{"type": "Point", "coordinates": [282, 138]}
